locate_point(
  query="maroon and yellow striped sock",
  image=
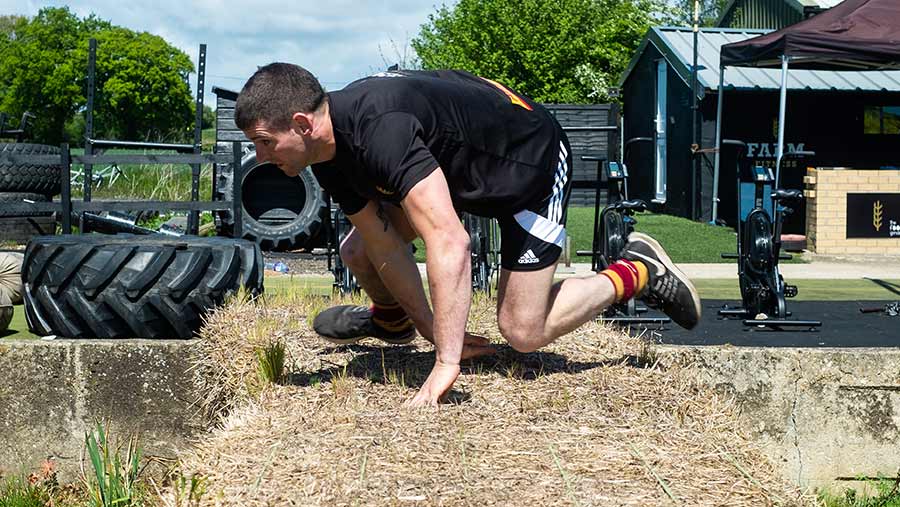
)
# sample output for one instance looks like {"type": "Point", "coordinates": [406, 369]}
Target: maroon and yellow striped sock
{"type": "Point", "coordinates": [628, 277]}
{"type": "Point", "coordinates": [390, 316]}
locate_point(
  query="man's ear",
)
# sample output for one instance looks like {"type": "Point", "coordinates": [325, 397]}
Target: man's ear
{"type": "Point", "coordinates": [302, 123]}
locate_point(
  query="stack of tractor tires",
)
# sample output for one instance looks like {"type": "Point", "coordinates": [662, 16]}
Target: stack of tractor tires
{"type": "Point", "coordinates": [27, 182]}
{"type": "Point", "coordinates": [279, 212]}
{"type": "Point", "coordinates": [124, 286]}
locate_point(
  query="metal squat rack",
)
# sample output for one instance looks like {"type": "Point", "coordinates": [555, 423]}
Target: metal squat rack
{"type": "Point", "coordinates": [94, 149]}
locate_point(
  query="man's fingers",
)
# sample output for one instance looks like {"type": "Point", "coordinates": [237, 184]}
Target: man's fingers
{"type": "Point", "coordinates": [472, 339]}
{"type": "Point", "coordinates": [471, 351]}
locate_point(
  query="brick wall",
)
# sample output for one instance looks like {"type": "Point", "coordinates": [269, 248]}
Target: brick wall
{"type": "Point", "coordinates": [826, 209]}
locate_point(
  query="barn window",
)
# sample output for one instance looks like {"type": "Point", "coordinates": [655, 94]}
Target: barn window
{"type": "Point", "coordinates": [881, 120]}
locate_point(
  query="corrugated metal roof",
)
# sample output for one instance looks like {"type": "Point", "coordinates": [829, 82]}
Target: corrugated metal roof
{"type": "Point", "coordinates": [676, 43]}
{"type": "Point", "coordinates": [798, 5]}
{"type": "Point", "coordinates": [825, 4]}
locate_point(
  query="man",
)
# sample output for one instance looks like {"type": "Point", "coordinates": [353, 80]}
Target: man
{"type": "Point", "coordinates": [403, 153]}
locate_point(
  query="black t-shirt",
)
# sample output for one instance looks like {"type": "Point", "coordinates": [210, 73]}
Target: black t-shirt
{"type": "Point", "coordinates": [498, 149]}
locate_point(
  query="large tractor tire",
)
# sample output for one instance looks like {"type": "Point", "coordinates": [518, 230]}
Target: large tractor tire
{"type": "Point", "coordinates": [22, 198]}
{"type": "Point", "coordinates": [20, 228]}
{"type": "Point", "coordinates": [25, 177]}
{"type": "Point", "coordinates": [124, 286]}
{"type": "Point", "coordinates": [280, 212]}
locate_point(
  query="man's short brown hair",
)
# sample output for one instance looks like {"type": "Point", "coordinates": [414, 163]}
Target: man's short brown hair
{"type": "Point", "coordinates": [274, 93]}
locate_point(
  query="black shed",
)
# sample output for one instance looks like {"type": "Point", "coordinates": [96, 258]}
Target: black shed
{"type": "Point", "coordinates": [847, 118]}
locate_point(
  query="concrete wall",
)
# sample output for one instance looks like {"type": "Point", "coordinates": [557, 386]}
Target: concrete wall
{"type": "Point", "coordinates": [52, 392]}
{"type": "Point", "coordinates": [826, 210]}
{"type": "Point", "coordinates": [820, 414]}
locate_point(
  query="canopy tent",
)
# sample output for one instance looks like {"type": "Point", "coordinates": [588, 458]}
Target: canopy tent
{"type": "Point", "coordinates": [853, 35]}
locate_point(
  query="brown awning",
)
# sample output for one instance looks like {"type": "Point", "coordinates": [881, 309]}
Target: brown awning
{"type": "Point", "coordinates": [853, 35]}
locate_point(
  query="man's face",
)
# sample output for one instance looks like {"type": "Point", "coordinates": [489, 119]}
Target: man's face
{"type": "Point", "coordinates": [285, 148]}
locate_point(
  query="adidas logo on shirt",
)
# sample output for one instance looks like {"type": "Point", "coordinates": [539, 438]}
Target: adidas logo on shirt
{"type": "Point", "coordinates": [528, 258]}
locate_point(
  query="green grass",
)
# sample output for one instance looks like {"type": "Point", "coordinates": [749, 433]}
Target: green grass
{"type": "Point", "coordinates": [163, 182]}
{"type": "Point", "coordinates": [19, 492]}
{"type": "Point", "coordinates": [878, 493]}
{"type": "Point", "coordinates": [18, 328]}
{"type": "Point", "coordinates": [810, 290]}
{"type": "Point", "coordinates": [684, 240]}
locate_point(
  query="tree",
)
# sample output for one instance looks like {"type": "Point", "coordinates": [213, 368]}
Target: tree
{"type": "Point", "coordinates": [710, 10]}
{"type": "Point", "coordinates": [142, 90]}
{"type": "Point", "coordinates": [37, 73]}
{"type": "Point", "coordinates": [209, 117]}
{"type": "Point", "coordinates": [141, 85]}
{"type": "Point", "coordinates": [554, 51]}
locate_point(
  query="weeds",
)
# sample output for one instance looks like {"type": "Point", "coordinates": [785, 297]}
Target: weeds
{"type": "Point", "coordinates": [886, 494]}
{"type": "Point", "coordinates": [114, 482]}
{"type": "Point", "coordinates": [17, 492]}
{"type": "Point", "coordinates": [186, 492]}
{"type": "Point", "coordinates": [163, 182]}
{"type": "Point", "coordinates": [270, 362]}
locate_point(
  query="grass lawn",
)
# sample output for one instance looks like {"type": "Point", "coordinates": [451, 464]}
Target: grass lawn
{"type": "Point", "coordinates": [684, 240]}
{"type": "Point", "coordinates": [810, 290]}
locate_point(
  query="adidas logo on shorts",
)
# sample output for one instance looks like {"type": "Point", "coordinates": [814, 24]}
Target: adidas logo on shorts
{"type": "Point", "coordinates": [528, 258]}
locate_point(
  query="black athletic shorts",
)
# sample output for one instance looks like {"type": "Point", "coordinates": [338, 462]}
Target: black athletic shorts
{"type": "Point", "coordinates": [533, 238]}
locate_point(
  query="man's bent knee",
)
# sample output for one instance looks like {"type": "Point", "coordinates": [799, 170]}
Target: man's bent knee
{"type": "Point", "coordinates": [353, 253]}
{"type": "Point", "coordinates": [522, 335]}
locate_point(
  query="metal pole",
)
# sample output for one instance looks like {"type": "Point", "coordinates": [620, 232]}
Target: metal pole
{"type": "Point", "coordinates": [695, 166]}
{"type": "Point", "coordinates": [89, 127]}
{"type": "Point", "coordinates": [65, 191]}
{"type": "Point", "coordinates": [782, 106]}
{"type": "Point", "coordinates": [237, 206]}
{"type": "Point", "coordinates": [721, 99]}
{"type": "Point", "coordinates": [194, 216]}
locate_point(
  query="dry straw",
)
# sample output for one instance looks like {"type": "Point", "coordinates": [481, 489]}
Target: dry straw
{"type": "Point", "coordinates": [593, 419]}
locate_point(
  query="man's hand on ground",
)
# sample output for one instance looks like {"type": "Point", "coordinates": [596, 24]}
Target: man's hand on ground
{"type": "Point", "coordinates": [436, 386]}
{"type": "Point", "coordinates": [473, 346]}
{"type": "Point", "coordinates": [476, 346]}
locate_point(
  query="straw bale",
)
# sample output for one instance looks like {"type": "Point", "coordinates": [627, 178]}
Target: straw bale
{"type": "Point", "coordinates": [592, 419]}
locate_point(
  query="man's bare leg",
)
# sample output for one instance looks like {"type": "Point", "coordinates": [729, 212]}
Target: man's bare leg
{"type": "Point", "coordinates": [532, 311]}
{"type": "Point", "coordinates": [353, 253]}
{"type": "Point", "coordinates": [354, 256]}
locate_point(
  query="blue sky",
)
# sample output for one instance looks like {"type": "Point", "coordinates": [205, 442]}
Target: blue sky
{"type": "Point", "coordinates": [337, 40]}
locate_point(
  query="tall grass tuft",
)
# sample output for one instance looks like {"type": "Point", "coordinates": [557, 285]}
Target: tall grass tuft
{"type": "Point", "coordinates": [270, 362]}
{"type": "Point", "coordinates": [17, 492]}
{"type": "Point", "coordinates": [185, 492]}
{"type": "Point", "coordinates": [875, 492]}
{"type": "Point", "coordinates": [114, 482]}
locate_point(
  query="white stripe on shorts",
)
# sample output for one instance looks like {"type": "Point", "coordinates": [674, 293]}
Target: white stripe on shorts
{"type": "Point", "coordinates": [541, 228]}
{"type": "Point", "coordinates": [554, 211]}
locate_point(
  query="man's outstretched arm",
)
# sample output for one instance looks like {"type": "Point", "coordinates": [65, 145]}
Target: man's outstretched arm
{"type": "Point", "coordinates": [430, 211]}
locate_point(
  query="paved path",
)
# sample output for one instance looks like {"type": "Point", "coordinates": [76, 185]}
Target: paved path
{"type": "Point", "coordinates": [885, 270]}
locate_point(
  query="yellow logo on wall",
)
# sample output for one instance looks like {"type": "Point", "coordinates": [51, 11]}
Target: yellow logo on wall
{"type": "Point", "coordinates": [877, 213]}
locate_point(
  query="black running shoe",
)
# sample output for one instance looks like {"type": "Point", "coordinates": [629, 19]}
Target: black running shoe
{"type": "Point", "coordinates": [668, 287]}
{"type": "Point", "coordinates": [348, 324]}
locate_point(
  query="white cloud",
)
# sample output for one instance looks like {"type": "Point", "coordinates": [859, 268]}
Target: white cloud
{"type": "Point", "coordinates": [337, 40]}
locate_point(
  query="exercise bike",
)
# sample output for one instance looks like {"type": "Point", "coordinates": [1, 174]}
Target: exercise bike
{"type": "Point", "coordinates": [612, 226]}
{"type": "Point", "coordinates": [763, 290]}
{"type": "Point", "coordinates": [484, 247]}
{"type": "Point", "coordinates": [344, 281]}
